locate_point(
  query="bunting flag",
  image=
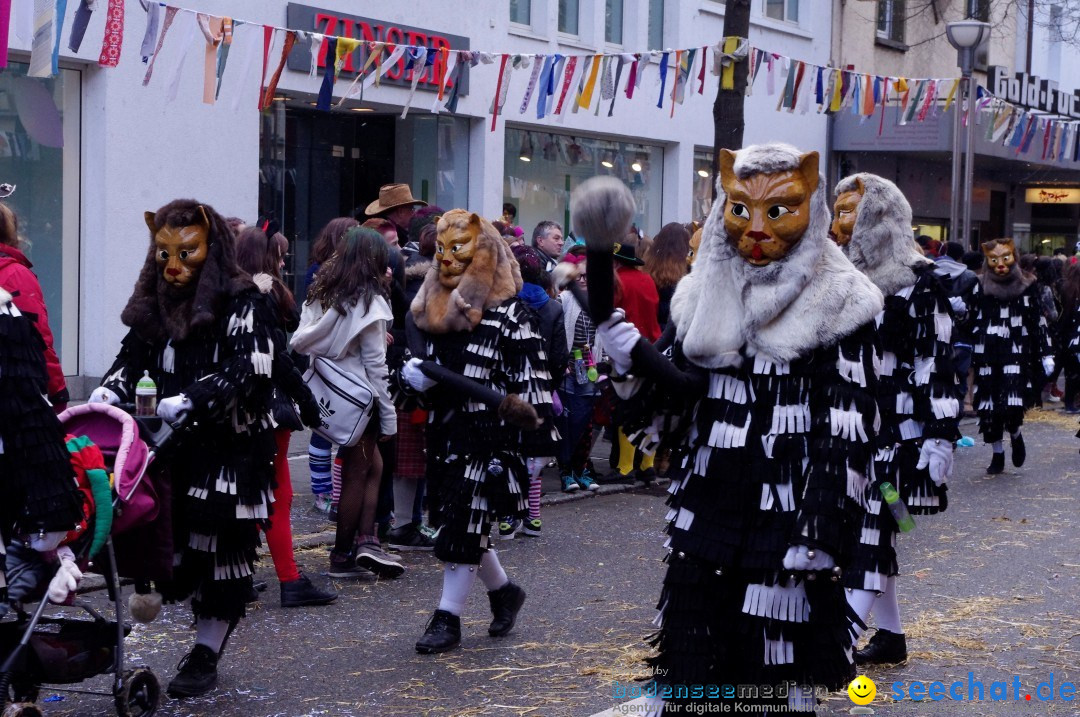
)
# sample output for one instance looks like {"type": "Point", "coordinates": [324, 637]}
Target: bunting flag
{"type": "Point", "coordinates": [170, 15]}
{"type": "Point", "coordinates": [418, 64]}
{"type": "Point", "coordinates": [5, 26]}
{"type": "Point", "coordinates": [540, 64]}
{"type": "Point", "coordinates": [271, 87]}
{"type": "Point", "coordinates": [585, 99]}
{"type": "Point", "coordinates": [190, 34]}
{"type": "Point", "coordinates": [568, 77]}
{"type": "Point", "coordinates": [631, 81]}
{"type": "Point", "coordinates": [623, 60]}
{"type": "Point", "coordinates": [46, 35]}
{"type": "Point", "coordinates": [701, 72]}
{"type": "Point", "coordinates": [498, 91]}
{"type": "Point", "coordinates": [114, 35]}
{"type": "Point", "coordinates": [663, 79]}
{"type": "Point", "coordinates": [149, 41]}
{"type": "Point", "coordinates": [326, 89]}
{"type": "Point", "coordinates": [727, 74]}
{"type": "Point", "coordinates": [78, 24]}
{"type": "Point", "coordinates": [212, 31]}
{"type": "Point", "coordinates": [228, 27]}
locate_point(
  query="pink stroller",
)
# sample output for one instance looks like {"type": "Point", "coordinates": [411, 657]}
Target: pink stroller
{"type": "Point", "coordinates": [62, 650]}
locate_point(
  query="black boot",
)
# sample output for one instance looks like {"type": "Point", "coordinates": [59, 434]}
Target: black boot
{"type": "Point", "coordinates": [1019, 451]}
{"type": "Point", "coordinates": [300, 592]}
{"type": "Point", "coordinates": [884, 648]}
{"type": "Point", "coordinates": [505, 604]}
{"type": "Point", "coordinates": [196, 674]}
{"type": "Point", "coordinates": [443, 633]}
{"type": "Point", "coordinates": [997, 464]}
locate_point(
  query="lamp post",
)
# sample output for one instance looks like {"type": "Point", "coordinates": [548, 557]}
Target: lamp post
{"type": "Point", "coordinates": [965, 36]}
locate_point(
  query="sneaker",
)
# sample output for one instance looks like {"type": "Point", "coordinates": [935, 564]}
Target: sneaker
{"type": "Point", "coordinates": [509, 528]}
{"type": "Point", "coordinates": [531, 527]}
{"type": "Point", "coordinates": [569, 485]}
{"type": "Point", "coordinates": [428, 531]}
{"type": "Point", "coordinates": [408, 537]}
{"type": "Point", "coordinates": [322, 503]}
{"type": "Point", "coordinates": [344, 566]}
{"type": "Point", "coordinates": [196, 674]}
{"type": "Point", "coordinates": [1052, 398]}
{"type": "Point", "coordinates": [1056, 392]}
{"type": "Point", "coordinates": [378, 561]}
{"type": "Point", "coordinates": [586, 481]}
{"type": "Point", "coordinates": [443, 633]}
{"type": "Point", "coordinates": [301, 593]}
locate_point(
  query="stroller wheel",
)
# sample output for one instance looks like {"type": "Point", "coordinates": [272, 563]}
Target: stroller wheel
{"type": "Point", "coordinates": [138, 695]}
{"type": "Point", "coordinates": [22, 709]}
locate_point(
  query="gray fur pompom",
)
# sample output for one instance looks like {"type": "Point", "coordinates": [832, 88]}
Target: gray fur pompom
{"type": "Point", "coordinates": [602, 210]}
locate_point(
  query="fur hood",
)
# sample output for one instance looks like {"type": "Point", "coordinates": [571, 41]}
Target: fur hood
{"type": "Point", "coordinates": [417, 269]}
{"type": "Point", "coordinates": [492, 277]}
{"type": "Point", "coordinates": [881, 245]}
{"type": "Point", "coordinates": [811, 298]}
{"type": "Point", "coordinates": [1008, 287]}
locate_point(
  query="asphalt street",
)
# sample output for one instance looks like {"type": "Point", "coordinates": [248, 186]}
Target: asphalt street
{"type": "Point", "coordinates": [989, 588]}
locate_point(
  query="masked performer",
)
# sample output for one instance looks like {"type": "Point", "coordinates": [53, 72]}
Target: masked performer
{"type": "Point", "coordinates": [41, 500]}
{"type": "Point", "coordinates": [471, 321]}
{"type": "Point", "coordinates": [1012, 351]}
{"type": "Point", "coordinates": [199, 327]}
{"type": "Point", "coordinates": [916, 394]}
{"type": "Point", "coordinates": [776, 397]}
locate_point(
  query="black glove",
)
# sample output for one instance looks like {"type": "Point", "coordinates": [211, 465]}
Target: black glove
{"type": "Point", "coordinates": [309, 412]}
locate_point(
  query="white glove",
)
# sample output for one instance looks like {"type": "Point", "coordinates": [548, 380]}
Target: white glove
{"type": "Point", "coordinates": [170, 409]}
{"type": "Point", "coordinates": [619, 337]}
{"type": "Point", "coordinates": [1048, 364]}
{"type": "Point", "coordinates": [66, 580]}
{"type": "Point", "coordinates": [104, 395]}
{"type": "Point", "coordinates": [44, 542]}
{"type": "Point", "coordinates": [937, 457]}
{"type": "Point", "coordinates": [958, 304]}
{"type": "Point", "coordinates": [416, 378]}
{"type": "Point", "coordinates": [800, 557]}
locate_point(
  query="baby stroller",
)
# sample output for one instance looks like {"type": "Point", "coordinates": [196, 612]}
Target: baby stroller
{"type": "Point", "coordinates": [63, 650]}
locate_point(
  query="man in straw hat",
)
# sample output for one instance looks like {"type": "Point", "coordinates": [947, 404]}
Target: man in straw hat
{"type": "Point", "coordinates": [395, 203]}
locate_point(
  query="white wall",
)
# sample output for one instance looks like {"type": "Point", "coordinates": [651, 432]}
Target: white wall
{"type": "Point", "coordinates": [140, 150]}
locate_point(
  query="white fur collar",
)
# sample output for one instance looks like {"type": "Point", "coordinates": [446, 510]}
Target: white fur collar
{"type": "Point", "coordinates": [813, 297]}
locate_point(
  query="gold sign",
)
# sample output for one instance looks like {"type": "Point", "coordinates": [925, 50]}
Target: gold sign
{"type": "Point", "coordinates": [1052, 195]}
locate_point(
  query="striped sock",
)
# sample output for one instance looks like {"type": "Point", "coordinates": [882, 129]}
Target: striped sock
{"type": "Point", "coordinates": [335, 481]}
{"type": "Point", "coordinates": [534, 491]}
{"type": "Point", "coordinates": [319, 451]}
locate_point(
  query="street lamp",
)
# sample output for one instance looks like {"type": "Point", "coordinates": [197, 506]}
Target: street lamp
{"type": "Point", "coordinates": [965, 36]}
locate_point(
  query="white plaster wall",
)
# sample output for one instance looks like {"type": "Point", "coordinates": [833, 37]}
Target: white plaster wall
{"type": "Point", "coordinates": [140, 150]}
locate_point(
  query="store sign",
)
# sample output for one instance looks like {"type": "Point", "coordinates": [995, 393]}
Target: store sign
{"type": "Point", "coordinates": [1052, 195]}
{"type": "Point", "coordinates": [1031, 92]}
{"type": "Point", "coordinates": [333, 22]}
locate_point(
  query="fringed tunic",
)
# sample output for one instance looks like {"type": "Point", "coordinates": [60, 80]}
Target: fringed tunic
{"type": "Point", "coordinates": [1010, 341]}
{"type": "Point", "coordinates": [778, 455]}
{"type": "Point", "coordinates": [483, 467]}
{"type": "Point", "coordinates": [36, 478]}
{"type": "Point", "coordinates": [916, 400]}
{"type": "Point", "coordinates": [221, 465]}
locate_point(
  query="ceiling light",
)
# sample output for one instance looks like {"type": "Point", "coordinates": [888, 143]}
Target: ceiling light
{"type": "Point", "coordinates": [361, 109]}
{"type": "Point", "coordinates": [607, 159]}
{"type": "Point", "coordinates": [526, 151]}
{"type": "Point", "coordinates": [702, 173]}
{"type": "Point", "coordinates": [636, 166]}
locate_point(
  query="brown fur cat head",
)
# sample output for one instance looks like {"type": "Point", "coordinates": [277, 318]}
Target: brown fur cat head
{"type": "Point", "coordinates": [1000, 256]}
{"type": "Point", "coordinates": [765, 215]}
{"type": "Point", "coordinates": [472, 272]}
{"type": "Point", "coordinates": [845, 212]}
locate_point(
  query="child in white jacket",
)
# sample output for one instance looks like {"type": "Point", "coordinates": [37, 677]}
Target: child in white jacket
{"type": "Point", "coordinates": [345, 320]}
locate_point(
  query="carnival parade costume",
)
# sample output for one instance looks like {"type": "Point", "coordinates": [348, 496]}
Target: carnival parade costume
{"type": "Point", "coordinates": [1012, 351]}
{"type": "Point", "coordinates": [468, 318]}
{"type": "Point", "coordinates": [916, 393]}
{"type": "Point", "coordinates": [202, 331]}
{"type": "Point", "coordinates": [773, 401]}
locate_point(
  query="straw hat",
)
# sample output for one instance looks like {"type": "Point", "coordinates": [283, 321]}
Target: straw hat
{"type": "Point", "coordinates": [392, 196]}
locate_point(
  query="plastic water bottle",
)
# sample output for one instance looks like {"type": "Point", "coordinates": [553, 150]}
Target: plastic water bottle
{"type": "Point", "coordinates": [897, 508]}
{"type": "Point", "coordinates": [581, 375]}
{"type": "Point", "coordinates": [146, 396]}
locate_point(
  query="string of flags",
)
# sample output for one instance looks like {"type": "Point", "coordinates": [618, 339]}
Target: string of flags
{"type": "Point", "coordinates": [556, 83]}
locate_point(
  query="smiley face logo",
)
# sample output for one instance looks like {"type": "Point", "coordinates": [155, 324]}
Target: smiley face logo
{"type": "Point", "coordinates": [862, 690]}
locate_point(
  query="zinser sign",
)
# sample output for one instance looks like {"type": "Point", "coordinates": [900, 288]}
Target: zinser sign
{"type": "Point", "coordinates": [1031, 92]}
{"type": "Point", "coordinates": [332, 22]}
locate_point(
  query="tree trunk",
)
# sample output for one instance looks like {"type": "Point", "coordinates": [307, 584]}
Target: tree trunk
{"type": "Point", "coordinates": [728, 109]}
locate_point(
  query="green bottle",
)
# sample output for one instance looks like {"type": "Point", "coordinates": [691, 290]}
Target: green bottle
{"type": "Point", "coordinates": [145, 396]}
{"type": "Point", "coordinates": [897, 508]}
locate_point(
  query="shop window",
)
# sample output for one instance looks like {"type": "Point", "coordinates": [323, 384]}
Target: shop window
{"type": "Point", "coordinates": [656, 24]}
{"type": "Point", "coordinates": [613, 21]}
{"type": "Point", "coordinates": [521, 12]}
{"type": "Point", "coordinates": [783, 10]}
{"type": "Point", "coordinates": [39, 154]}
{"type": "Point", "coordinates": [890, 20]}
{"type": "Point", "coordinates": [541, 169]}
{"type": "Point", "coordinates": [568, 17]}
{"type": "Point", "coordinates": [703, 185]}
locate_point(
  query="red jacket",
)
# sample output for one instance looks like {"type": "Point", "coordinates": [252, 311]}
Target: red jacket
{"type": "Point", "coordinates": [638, 298]}
{"type": "Point", "coordinates": [17, 279]}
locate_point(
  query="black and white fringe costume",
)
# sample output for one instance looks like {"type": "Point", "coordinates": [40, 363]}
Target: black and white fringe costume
{"type": "Point", "coordinates": [917, 388]}
{"type": "Point", "coordinates": [1011, 340]}
{"type": "Point", "coordinates": [222, 467]}
{"type": "Point", "coordinates": [776, 398]}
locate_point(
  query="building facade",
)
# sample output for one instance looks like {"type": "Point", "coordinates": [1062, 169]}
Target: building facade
{"type": "Point", "coordinates": [91, 149]}
{"type": "Point", "coordinates": [1015, 194]}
